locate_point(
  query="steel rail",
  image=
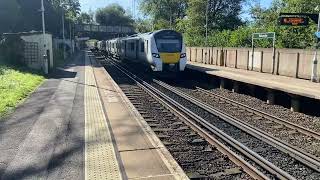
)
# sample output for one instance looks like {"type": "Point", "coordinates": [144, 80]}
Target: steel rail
{"type": "Point", "coordinates": [279, 173]}
{"type": "Point", "coordinates": [268, 116]}
{"type": "Point", "coordinates": [305, 158]}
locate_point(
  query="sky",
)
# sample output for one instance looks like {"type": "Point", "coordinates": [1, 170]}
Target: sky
{"type": "Point", "coordinates": [87, 5]}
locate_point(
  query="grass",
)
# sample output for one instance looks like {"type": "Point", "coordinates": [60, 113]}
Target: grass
{"type": "Point", "coordinates": [15, 85]}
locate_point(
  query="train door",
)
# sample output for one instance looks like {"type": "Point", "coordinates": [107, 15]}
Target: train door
{"type": "Point", "coordinates": [125, 49]}
{"type": "Point", "coordinates": [137, 49]}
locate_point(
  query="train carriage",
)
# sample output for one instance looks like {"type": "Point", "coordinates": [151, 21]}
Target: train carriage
{"type": "Point", "coordinates": [161, 50]}
{"type": "Point", "coordinates": [101, 45]}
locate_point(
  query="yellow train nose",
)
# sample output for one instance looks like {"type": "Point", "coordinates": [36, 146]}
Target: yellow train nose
{"type": "Point", "coordinates": [170, 58]}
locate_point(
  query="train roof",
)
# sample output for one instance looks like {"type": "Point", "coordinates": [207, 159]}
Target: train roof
{"type": "Point", "coordinates": [137, 36]}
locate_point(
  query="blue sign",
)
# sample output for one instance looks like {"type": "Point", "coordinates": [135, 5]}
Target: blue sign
{"type": "Point", "coordinates": [317, 34]}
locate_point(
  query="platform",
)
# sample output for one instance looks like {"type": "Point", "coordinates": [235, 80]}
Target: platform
{"type": "Point", "coordinates": [289, 85]}
{"type": "Point", "coordinates": [141, 154]}
{"type": "Point", "coordinates": [79, 125]}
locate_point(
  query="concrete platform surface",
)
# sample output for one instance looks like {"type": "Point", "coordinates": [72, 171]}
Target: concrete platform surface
{"type": "Point", "coordinates": [289, 85]}
{"type": "Point", "coordinates": [79, 125]}
{"type": "Point", "coordinates": [43, 138]}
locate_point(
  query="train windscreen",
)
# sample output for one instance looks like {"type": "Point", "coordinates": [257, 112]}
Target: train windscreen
{"type": "Point", "coordinates": [168, 41]}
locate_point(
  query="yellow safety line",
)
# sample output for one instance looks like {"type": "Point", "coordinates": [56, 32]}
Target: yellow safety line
{"type": "Point", "coordinates": [100, 157]}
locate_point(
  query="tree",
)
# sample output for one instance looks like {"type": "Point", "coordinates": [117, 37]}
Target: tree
{"type": "Point", "coordinates": [71, 8]}
{"type": "Point", "coordinates": [84, 18]}
{"type": "Point", "coordinates": [8, 50]}
{"type": "Point", "coordinates": [288, 37]}
{"type": "Point", "coordinates": [113, 15]}
{"type": "Point", "coordinates": [22, 15]}
{"type": "Point", "coordinates": [222, 14]}
{"type": "Point", "coordinates": [9, 15]}
{"type": "Point", "coordinates": [143, 25]}
{"type": "Point", "coordinates": [164, 13]}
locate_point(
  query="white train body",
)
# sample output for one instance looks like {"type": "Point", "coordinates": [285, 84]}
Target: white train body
{"type": "Point", "coordinates": [101, 45]}
{"type": "Point", "coordinates": [161, 50]}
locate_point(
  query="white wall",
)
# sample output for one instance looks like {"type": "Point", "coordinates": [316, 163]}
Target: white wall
{"type": "Point", "coordinates": [38, 38]}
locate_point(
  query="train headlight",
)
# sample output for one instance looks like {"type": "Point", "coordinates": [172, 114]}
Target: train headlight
{"type": "Point", "coordinates": [155, 55]}
{"type": "Point", "coordinates": [183, 55]}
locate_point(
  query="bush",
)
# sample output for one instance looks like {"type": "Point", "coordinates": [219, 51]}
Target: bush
{"type": "Point", "coordinates": [286, 37]}
{"type": "Point", "coordinates": [11, 50]}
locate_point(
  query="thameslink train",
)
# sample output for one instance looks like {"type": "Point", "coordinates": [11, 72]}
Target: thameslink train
{"type": "Point", "coordinates": [101, 45]}
{"type": "Point", "coordinates": [161, 50]}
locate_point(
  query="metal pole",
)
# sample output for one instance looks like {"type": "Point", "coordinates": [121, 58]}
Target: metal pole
{"type": "Point", "coordinates": [63, 36]}
{"type": "Point", "coordinates": [252, 55]}
{"type": "Point", "coordinates": [46, 68]}
{"type": "Point", "coordinates": [314, 74]}
{"type": "Point", "coordinates": [274, 52]}
{"type": "Point", "coordinates": [170, 21]}
{"type": "Point", "coordinates": [70, 36]}
{"type": "Point", "coordinates": [206, 43]}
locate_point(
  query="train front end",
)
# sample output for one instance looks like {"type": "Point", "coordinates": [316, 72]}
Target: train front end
{"type": "Point", "coordinates": [170, 51]}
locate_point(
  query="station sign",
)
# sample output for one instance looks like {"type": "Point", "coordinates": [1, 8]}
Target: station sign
{"type": "Point", "coordinates": [294, 21]}
{"type": "Point", "coordinates": [268, 35]}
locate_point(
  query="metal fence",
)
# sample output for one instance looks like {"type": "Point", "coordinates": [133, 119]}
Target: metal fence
{"type": "Point", "coordinates": [31, 53]}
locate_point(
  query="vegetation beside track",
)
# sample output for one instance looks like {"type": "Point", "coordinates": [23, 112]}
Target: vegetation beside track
{"type": "Point", "coordinates": [15, 85]}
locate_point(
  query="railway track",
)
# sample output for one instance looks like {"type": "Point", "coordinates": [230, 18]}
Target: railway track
{"type": "Point", "coordinates": [298, 154]}
{"type": "Point", "coordinates": [199, 123]}
{"type": "Point", "coordinates": [260, 113]}
{"type": "Point", "coordinates": [185, 145]}
{"type": "Point", "coordinates": [294, 134]}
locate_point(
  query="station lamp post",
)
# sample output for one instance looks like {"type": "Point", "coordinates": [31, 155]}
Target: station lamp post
{"type": "Point", "coordinates": [63, 36]}
{"type": "Point", "coordinates": [314, 74]}
{"type": "Point", "coordinates": [45, 59]}
{"type": "Point", "coordinates": [206, 42]}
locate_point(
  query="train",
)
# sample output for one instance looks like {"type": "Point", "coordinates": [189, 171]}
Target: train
{"type": "Point", "coordinates": [162, 50]}
{"type": "Point", "coordinates": [101, 46]}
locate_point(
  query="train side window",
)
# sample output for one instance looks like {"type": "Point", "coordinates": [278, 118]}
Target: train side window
{"type": "Point", "coordinates": [132, 46]}
{"type": "Point", "coordinates": [142, 47]}
{"type": "Point", "coordinates": [147, 46]}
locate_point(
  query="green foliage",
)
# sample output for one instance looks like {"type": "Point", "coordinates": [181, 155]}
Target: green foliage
{"type": "Point", "coordinates": [84, 18]}
{"type": "Point", "coordinates": [143, 25]}
{"type": "Point", "coordinates": [24, 15]}
{"type": "Point", "coordinates": [264, 20]}
{"type": "Point", "coordinates": [9, 15]}
{"type": "Point", "coordinates": [164, 13]}
{"type": "Point", "coordinates": [16, 84]}
{"type": "Point", "coordinates": [222, 14]}
{"type": "Point", "coordinates": [11, 50]}
{"type": "Point", "coordinates": [113, 15]}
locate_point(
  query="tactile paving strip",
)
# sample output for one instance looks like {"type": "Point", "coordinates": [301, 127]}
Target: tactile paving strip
{"type": "Point", "coordinates": [100, 158]}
